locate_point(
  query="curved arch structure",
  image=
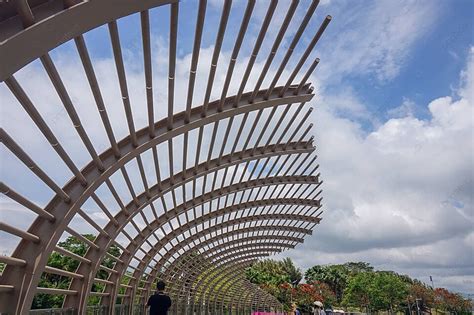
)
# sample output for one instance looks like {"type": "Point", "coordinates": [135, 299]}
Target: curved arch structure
{"type": "Point", "coordinates": [247, 187]}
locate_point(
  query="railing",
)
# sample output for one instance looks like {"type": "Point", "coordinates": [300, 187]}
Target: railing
{"type": "Point", "coordinates": [92, 310]}
{"type": "Point", "coordinates": [54, 311]}
{"type": "Point", "coordinates": [119, 309]}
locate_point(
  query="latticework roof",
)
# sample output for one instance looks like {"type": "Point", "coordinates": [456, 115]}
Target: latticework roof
{"type": "Point", "coordinates": [194, 193]}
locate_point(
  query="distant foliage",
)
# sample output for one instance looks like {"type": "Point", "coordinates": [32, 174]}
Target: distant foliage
{"type": "Point", "coordinates": [354, 286]}
{"type": "Point", "coordinates": [376, 291]}
{"type": "Point", "coordinates": [274, 273]}
{"type": "Point", "coordinates": [451, 302]}
{"type": "Point", "coordinates": [282, 279]}
{"type": "Point", "coordinates": [336, 276]}
{"type": "Point", "coordinates": [60, 261]}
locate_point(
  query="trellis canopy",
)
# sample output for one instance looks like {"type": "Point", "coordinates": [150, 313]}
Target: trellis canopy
{"type": "Point", "coordinates": [191, 176]}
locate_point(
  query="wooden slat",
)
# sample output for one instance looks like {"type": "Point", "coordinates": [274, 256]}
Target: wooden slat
{"type": "Point", "coordinates": [6, 288]}
{"type": "Point", "coordinates": [55, 291]}
{"type": "Point", "coordinates": [7, 191]}
{"type": "Point", "coordinates": [12, 261]}
{"type": "Point", "coordinates": [20, 233]}
{"type": "Point", "coordinates": [72, 255]}
{"type": "Point", "coordinates": [103, 281]}
{"type": "Point", "coordinates": [61, 272]}
{"type": "Point", "coordinates": [80, 237]}
{"type": "Point", "coordinates": [99, 293]}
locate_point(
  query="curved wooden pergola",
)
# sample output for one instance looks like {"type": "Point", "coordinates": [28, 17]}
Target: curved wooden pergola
{"type": "Point", "coordinates": [242, 194]}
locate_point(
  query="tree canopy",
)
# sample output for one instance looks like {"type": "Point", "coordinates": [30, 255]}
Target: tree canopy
{"type": "Point", "coordinates": [63, 262]}
{"type": "Point", "coordinates": [272, 272]}
{"type": "Point", "coordinates": [353, 286]}
{"type": "Point", "coordinates": [336, 276]}
{"type": "Point", "coordinates": [376, 291]}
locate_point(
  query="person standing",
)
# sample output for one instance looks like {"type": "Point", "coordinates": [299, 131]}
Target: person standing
{"type": "Point", "coordinates": [295, 310]}
{"type": "Point", "coordinates": [159, 302]}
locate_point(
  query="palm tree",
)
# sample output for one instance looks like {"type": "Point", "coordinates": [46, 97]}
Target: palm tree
{"type": "Point", "coordinates": [293, 272]}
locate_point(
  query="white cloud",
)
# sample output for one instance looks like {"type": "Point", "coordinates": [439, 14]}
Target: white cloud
{"type": "Point", "coordinates": [407, 108]}
{"type": "Point", "coordinates": [400, 196]}
{"type": "Point", "coordinates": [375, 38]}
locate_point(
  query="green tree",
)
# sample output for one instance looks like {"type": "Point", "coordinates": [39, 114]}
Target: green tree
{"type": "Point", "coordinates": [60, 261]}
{"type": "Point", "coordinates": [327, 295]}
{"type": "Point", "coordinates": [336, 276]}
{"type": "Point", "coordinates": [393, 290]}
{"type": "Point", "coordinates": [279, 278]}
{"type": "Point", "coordinates": [376, 291]}
{"type": "Point", "coordinates": [418, 290]}
{"type": "Point", "coordinates": [292, 271]}
{"type": "Point", "coordinates": [357, 292]}
{"type": "Point", "coordinates": [353, 284]}
{"type": "Point", "coordinates": [356, 267]}
{"type": "Point", "coordinates": [269, 272]}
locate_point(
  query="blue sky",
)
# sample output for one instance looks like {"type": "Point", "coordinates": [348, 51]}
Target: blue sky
{"type": "Point", "coordinates": [394, 120]}
{"type": "Point", "coordinates": [433, 64]}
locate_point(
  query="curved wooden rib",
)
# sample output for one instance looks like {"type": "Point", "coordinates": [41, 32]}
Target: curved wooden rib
{"type": "Point", "coordinates": [123, 217]}
{"type": "Point", "coordinates": [64, 212]}
{"type": "Point", "coordinates": [40, 25]}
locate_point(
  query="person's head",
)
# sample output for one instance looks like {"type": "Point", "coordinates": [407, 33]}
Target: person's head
{"type": "Point", "coordinates": [160, 286]}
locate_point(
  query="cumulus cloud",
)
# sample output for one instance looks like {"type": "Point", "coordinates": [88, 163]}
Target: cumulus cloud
{"type": "Point", "coordinates": [377, 39]}
{"type": "Point", "coordinates": [400, 196]}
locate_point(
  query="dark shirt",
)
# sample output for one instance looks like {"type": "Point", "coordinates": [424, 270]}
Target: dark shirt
{"type": "Point", "coordinates": [159, 304]}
